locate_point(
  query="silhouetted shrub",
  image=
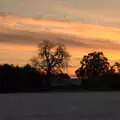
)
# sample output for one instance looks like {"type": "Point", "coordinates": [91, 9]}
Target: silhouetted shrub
{"type": "Point", "coordinates": [106, 81]}
{"type": "Point", "coordinates": [25, 79]}
{"type": "Point", "coordinates": [17, 79]}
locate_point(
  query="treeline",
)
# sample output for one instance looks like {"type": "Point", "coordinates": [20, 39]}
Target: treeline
{"type": "Point", "coordinates": [37, 75]}
{"type": "Point", "coordinates": [28, 79]}
{"type": "Point", "coordinates": [25, 79]}
{"type": "Point", "coordinates": [96, 72]}
{"type": "Point", "coordinates": [17, 79]}
{"type": "Point", "coordinates": [108, 81]}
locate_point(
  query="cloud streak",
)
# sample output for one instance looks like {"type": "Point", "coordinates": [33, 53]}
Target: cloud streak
{"type": "Point", "coordinates": [26, 30]}
{"type": "Point", "coordinates": [19, 36]}
{"type": "Point", "coordinates": [25, 38]}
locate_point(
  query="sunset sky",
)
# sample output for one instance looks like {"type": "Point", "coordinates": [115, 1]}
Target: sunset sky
{"type": "Point", "coordinates": [82, 25]}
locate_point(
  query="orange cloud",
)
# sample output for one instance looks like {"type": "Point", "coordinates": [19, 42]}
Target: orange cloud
{"type": "Point", "coordinates": [20, 35]}
{"type": "Point", "coordinates": [60, 26]}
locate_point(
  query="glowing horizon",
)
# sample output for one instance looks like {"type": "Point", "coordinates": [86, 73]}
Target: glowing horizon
{"type": "Point", "coordinates": [83, 27]}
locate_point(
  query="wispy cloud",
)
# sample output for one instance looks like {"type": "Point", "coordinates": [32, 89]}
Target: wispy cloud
{"type": "Point", "coordinates": [27, 32]}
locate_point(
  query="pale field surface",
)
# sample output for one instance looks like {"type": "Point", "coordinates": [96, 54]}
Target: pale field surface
{"type": "Point", "coordinates": [60, 106]}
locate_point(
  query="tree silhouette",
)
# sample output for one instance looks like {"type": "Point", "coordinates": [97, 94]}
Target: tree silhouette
{"type": "Point", "coordinates": [52, 57]}
{"type": "Point", "coordinates": [94, 64]}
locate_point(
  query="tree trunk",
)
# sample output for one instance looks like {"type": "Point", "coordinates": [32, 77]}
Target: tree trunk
{"type": "Point", "coordinates": [48, 81]}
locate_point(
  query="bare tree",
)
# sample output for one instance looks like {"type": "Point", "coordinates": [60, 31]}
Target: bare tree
{"type": "Point", "coordinates": [52, 57]}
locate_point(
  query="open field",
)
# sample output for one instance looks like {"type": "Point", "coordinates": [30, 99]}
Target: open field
{"type": "Point", "coordinates": [60, 106]}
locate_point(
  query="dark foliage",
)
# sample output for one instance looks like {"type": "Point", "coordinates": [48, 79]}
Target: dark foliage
{"type": "Point", "coordinates": [95, 73]}
{"type": "Point", "coordinates": [110, 81]}
{"type": "Point", "coordinates": [18, 79]}
{"type": "Point", "coordinates": [94, 64]}
{"type": "Point", "coordinates": [25, 79]}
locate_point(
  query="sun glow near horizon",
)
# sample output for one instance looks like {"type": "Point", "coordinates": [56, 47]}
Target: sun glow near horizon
{"type": "Point", "coordinates": [20, 39]}
{"type": "Point", "coordinates": [82, 26]}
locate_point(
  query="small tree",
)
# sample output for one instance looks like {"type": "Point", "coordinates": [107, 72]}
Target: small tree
{"type": "Point", "coordinates": [94, 64]}
{"type": "Point", "coordinates": [52, 57]}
